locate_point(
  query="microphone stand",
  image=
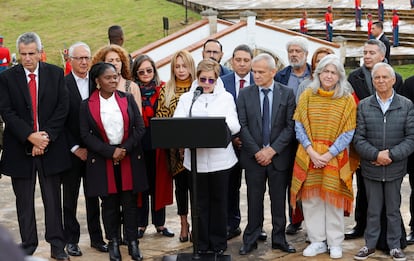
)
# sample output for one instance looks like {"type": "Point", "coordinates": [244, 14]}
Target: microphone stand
{"type": "Point", "coordinates": [194, 204]}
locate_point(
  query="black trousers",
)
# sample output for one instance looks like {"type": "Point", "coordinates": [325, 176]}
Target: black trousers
{"type": "Point", "coordinates": [411, 178]}
{"type": "Point", "coordinates": [24, 190]}
{"type": "Point", "coordinates": [71, 180]}
{"type": "Point", "coordinates": [111, 211]}
{"type": "Point", "coordinates": [212, 210]}
{"type": "Point", "coordinates": [233, 195]}
{"type": "Point", "coordinates": [182, 181]}
{"type": "Point", "coordinates": [157, 217]}
{"type": "Point", "coordinates": [361, 203]}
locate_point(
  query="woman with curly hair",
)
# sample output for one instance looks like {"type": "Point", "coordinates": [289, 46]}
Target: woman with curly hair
{"type": "Point", "coordinates": [117, 56]}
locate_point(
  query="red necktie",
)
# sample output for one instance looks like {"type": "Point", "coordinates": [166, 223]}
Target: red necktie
{"type": "Point", "coordinates": [32, 89]}
{"type": "Point", "coordinates": [241, 82]}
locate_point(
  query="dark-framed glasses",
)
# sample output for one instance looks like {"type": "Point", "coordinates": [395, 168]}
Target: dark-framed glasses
{"type": "Point", "coordinates": [206, 80]}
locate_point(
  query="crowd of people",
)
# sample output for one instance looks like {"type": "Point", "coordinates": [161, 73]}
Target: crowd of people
{"type": "Point", "coordinates": [302, 132]}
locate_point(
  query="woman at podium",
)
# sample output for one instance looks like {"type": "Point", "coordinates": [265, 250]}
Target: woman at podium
{"type": "Point", "coordinates": [213, 164]}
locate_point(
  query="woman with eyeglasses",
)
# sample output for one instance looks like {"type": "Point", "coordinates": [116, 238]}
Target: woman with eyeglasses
{"type": "Point", "coordinates": [182, 76]}
{"type": "Point", "coordinates": [111, 126]}
{"type": "Point", "coordinates": [117, 56]}
{"type": "Point", "coordinates": [213, 164]}
{"type": "Point", "coordinates": [146, 76]}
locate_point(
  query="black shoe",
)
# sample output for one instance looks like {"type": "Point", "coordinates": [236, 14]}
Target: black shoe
{"type": "Point", "coordinates": [73, 250]}
{"type": "Point", "coordinates": [354, 233]}
{"type": "Point", "coordinates": [292, 229]}
{"type": "Point", "coordinates": [233, 233]}
{"type": "Point", "coordinates": [410, 238]}
{"type": "Point", "coordinates": [113, 249]}
{"type": "Point", "coordinates": [262, 236]}
{"type": "Point", "coordinates": [134, 252]}
{"type": "Point", "coordinates": [165, 232]}
{"type": "Point", "coordinates": [100, 246]}
{"type": "Point", "coordinates": [245, 249]}
{"type": "Point", "coordinates": [28, 250]}
{"type": "Point", "coordinates": [141, 232]}
{"type": "Point", "coordinates": [59, 254]}
{"type": "Point", "coordinates": [285, 247]}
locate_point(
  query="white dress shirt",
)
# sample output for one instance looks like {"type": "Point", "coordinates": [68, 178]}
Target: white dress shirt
{"type": "Point", "coordinates": [112, 120]}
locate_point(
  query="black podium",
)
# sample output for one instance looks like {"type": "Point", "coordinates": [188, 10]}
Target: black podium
{"type": "Point", "coordinates": [192, 133]}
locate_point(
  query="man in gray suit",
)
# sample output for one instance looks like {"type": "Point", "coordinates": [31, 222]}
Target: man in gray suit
{"type": "Point", "coordinates": [267, 133]}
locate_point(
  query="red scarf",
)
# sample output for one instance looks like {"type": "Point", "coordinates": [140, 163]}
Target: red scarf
{"type": "Point", "coordinates": [126, 171]}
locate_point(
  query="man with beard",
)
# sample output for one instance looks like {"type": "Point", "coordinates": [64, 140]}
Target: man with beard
{"type": "Point", "coordinates": [292, 75]}
{"type": "Point", "coordinates": [212, 49]}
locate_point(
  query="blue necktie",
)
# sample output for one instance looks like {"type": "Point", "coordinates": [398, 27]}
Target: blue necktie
{"type": "Point", "coordinates": [266, 119]}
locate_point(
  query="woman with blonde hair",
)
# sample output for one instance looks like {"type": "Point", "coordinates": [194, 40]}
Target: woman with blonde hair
{"type": "Point", "coordinates": [182, 75]}
{"type": "Point", "coordinates": [117, 56]}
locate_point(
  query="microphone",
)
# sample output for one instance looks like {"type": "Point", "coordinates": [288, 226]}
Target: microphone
{"type": "Point", "coordinates": [197, 93]}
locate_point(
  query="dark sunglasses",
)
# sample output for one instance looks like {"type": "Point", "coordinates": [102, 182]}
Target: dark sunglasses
{"type": "Point", "coordinates": [210, 81]}
{"type": "Point", "coordinates": [148, 71]}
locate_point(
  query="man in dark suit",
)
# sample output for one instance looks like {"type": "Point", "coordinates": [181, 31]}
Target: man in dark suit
{"type": "Point", "coordinates": [233, 82]}
{"type": "Point", "coordinates": [378, 33]}
{"type": "Point", "coordinates": [267, 133]}
{"type": "Point", "coordinates": [79, 88]}
{"type": "Point", "coordinates": [34, 105]}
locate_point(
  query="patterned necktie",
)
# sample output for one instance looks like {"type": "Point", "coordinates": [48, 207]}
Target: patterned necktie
{"type": "Point", "coordinates": [241, 82]}
{"type": "Point", "coordinates": [266, 118]}
{"type": "Point", "coordinates": [32, 90]}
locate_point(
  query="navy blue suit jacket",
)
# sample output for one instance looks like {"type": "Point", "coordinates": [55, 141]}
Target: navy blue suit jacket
{"type": "Point", "coordinates": [230, 84]}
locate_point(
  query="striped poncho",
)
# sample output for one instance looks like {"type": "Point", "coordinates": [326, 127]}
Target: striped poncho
{"type": "Point", "coordinates": [324, 119]}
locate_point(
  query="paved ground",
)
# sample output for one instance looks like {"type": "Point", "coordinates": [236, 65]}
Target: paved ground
{"type": "Point", "coordinates": [154, 246]}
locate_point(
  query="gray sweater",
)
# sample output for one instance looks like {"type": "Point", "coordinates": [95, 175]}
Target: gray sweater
{"type": "Point", "coordinates": [376, 131]}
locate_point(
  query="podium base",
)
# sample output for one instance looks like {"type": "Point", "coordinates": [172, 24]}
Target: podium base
{"type": "Point", "coordinates": [204, 257]}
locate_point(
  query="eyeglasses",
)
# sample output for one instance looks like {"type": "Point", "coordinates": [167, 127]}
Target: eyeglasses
{"type": "Point", "coordinates": [210, 81]}
{"type": "Point", "coordinates": [86, 58]}
{"type": "Point", "coordinates": [148, 71]}
{"type": "Point", "coordinates": [210, 52]}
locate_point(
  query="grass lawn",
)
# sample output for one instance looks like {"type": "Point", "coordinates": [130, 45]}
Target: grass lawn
{"type": "Point", "coordinates": [60, 23]}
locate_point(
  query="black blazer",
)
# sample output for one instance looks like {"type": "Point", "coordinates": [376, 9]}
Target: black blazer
{"type": "Point", "coordinates": [357, 80]}
{"type": "Point", "coordinates": [99, 150]}
{"type": "Point", "coordinates": [282, 133]}
{"type": "Point", "coordinates": [72, 122]}
{"type": "Point", "coordinates": [16, 110]}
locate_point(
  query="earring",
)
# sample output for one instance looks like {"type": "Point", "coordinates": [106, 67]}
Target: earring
{"type": "Point", "coordinates": [98, 86]}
